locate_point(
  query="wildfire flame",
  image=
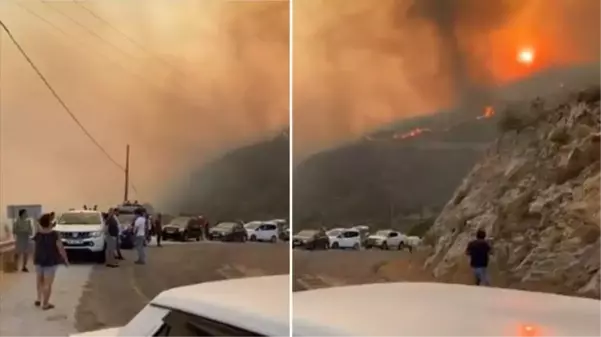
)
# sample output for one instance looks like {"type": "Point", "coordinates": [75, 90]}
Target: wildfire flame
{"type": "Point", "coordinates": [489, 112]}
{"type": "Point", "coordinates": [413, 133]}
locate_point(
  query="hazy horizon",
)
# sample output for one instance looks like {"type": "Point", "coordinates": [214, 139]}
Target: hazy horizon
{"type": "Point", "coordinates": [181, 82]}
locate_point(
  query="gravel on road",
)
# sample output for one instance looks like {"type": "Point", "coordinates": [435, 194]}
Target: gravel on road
{"type": "Point", "coordinates": [332, 268]}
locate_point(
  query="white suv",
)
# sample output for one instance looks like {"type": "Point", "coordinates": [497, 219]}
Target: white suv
{"type": "Point", "coordinates": [251, 306]}
{"type": "Point", "coordinates": [348, 238]}
{"type": "Point", "coordinates": [266, 231]}
{"type": "Point", "coordinates": [82, 230]}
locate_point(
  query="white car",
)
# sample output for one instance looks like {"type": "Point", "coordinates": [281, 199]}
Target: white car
{"type": "Point", "coordinates": [82, 230]}
{"type": "Point", "coordinates": [438, 309]}
{"type": "Point", "coordinates": [333, 233]}
{"type": "Point", "coordinates": [252, 306]}
{"type": "Point", "coordinates": [264, 231]}
{"type": "Point", "coordinates": [386, 239]}
{"type": "Point", "coordinates": [348, 238]}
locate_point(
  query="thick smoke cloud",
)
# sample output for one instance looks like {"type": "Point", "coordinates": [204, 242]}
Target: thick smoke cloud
{"type": "Point", "coordinates": [362, 64]}
{"type": "Point", "coordinates": [188, 81]}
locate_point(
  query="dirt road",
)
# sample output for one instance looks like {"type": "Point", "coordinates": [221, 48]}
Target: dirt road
{"type": "Point", "coordinates": [113, 296]}
{"type": "Point", "coordinates": [321, 269]}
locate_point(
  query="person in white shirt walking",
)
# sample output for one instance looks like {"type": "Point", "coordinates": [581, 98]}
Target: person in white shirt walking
{"type": "Point", "coordinates": [140, 236]}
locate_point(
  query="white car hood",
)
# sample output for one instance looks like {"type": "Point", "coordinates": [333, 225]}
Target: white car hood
{"type": "Point", "coordinates": [78, 228]}
{"type": "Point", "coordinates": [377, 237]}
{"type": "Point", "coordinates": [110, 332]}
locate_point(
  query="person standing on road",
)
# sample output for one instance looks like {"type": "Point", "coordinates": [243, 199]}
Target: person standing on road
{"type": "Point", "coordinates": [140, 236]}
{"type": "Point", "coordinates": [205, 228]}
{"type": "Point", "coordinates": [158, 228]}
{"type": "Point", "coordinates": [49, 253]}
{"type": "Point", "coordinates": [22, 231]}
{"type": "Point", "coordinates": [111, 235]}
{"type": "Point", "coordinates": [119, 256]}
{"type": "Point", "coordinates": [479, 251]}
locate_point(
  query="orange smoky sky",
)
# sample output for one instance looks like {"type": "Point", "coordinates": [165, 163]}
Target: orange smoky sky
{"type": "Point", "coordinates": [360, 64]}
{"type": "Point", "coordinates": [180, 81]}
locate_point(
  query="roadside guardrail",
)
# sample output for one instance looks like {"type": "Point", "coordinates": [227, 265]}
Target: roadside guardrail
{"type": "Point", "coordinates": [6, 258]}
{"type": "Point", "coordinates": [7, 246]}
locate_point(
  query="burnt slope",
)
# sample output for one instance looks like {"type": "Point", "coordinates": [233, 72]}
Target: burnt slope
{"type": "Point", "coordinates": [247, 183]}
{"type": "Point", "coordinates": [373, 180]}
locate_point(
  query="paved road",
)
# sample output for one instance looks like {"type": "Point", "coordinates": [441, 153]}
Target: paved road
{"type": "Point", "coordinates": [19, 317]}
{"type": "Point", "coordinates": [322, 269]}
{"type": "Point", "coordinates": [91, 296]}
{"type": "Point", "coordinates": [113, 296]}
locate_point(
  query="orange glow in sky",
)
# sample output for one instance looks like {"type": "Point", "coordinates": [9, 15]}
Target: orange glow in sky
{"type": "Point", "coordinates": [526, 56]}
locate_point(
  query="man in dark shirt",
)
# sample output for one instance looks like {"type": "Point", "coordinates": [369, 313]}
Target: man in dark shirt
{"type": "Point", "coordinates": [112, 233]}
{"type": "Point", "coordinates": [479, 250]}
{"type": "Point", "coordinates": [158, 228]}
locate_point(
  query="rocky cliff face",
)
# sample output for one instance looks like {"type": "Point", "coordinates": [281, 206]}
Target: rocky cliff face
{"type": "Point", "coordinates": [536, 193]}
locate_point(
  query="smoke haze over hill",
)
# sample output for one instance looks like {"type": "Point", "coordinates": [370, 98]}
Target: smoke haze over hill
{"type": "Point", "coordinates": [362, 64]}
{"type": "Point", "coordinates": [176, 80]}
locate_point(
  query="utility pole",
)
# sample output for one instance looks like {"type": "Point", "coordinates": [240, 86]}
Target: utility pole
{"type": "Point", "coordinates": [126, 194]}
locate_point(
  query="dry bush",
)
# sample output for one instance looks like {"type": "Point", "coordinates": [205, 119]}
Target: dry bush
{"type": "Point", "coordinates": [511, 120]}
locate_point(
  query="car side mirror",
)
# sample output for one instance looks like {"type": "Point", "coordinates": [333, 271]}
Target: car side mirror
{"type": "Point", "coordinates": [339, 236]}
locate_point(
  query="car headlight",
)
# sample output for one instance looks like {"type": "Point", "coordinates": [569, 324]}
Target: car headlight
{"type": "Point", "coordinates": [97, 234]}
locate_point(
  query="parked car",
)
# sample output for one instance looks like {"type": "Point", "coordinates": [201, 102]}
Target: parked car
{"type": "Point", "coordinates": [228, 231]}
{"type": "Point", "coordinates": [285, 234]}
{"type": "Point", "coordinates": [348, 238]}
{"type": "Point", "coordinates": [82, 231]}
{"type": "Point", "coordinates": [311, 239]}
{"type": "Point", "coordinates": [333, 233]}
{"type": "Point", "coordinates": [250, 306]}
{"type": "Point", "coordinates": [264, 231]}
{"type": "Point", "coordinates": [386, 239]}
{"type": "Point", "coordinates": [182, 228]}
{"type": "Point", "coordinates": [364, 233]}
{"type": "Point", "coordinates": [126, 236]}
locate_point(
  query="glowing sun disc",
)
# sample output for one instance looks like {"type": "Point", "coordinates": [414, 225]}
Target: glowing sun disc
{"type": "Point", "coordinates": [526, 56]}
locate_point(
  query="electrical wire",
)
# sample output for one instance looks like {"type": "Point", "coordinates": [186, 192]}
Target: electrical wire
{"type": "Point", "coordinates": [127, 37]}
{"type": "Point", "coordinates": [71, 38]}
{"type": "Point", "coordinates": [60, 100]}
{"type": "Point", "coordinates": [164, 89]}
{"type": "Point", "coordinates": [88, 30]}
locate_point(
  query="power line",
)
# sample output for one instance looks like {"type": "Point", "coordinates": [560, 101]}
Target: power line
{"type": "Point", "coordinates": [127, 37]}
{"type": "Point", "coordinates": [88, 30]}
{"type": "Point", "coordinates": [59, 99]}
{"type": "Point", "coordinates": [164, 90]}
{"type": "Point", "coordinates": [71, 38]}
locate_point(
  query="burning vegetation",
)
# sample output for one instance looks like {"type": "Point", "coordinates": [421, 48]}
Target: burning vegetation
{"type": "Point", "coordinates": [488, 113]}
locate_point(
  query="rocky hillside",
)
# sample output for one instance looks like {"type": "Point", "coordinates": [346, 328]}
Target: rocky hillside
{"type": "Point", "coordinates": [537, 195]}
{"type": "Point", "coordinates": [247, 183]}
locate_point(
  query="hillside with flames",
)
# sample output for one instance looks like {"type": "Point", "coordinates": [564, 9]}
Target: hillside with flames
{"type": "Point", "coordinates": [405, 172]}
{"type": "Point", "coordinates": [388, 176]}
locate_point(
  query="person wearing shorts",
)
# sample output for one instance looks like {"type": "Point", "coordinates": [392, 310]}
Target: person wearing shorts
{"type": "Point", "coordinates": [49, 253]}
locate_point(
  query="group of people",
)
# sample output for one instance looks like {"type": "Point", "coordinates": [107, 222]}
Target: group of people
{"type": "Point", "coordinates": [140, 230]}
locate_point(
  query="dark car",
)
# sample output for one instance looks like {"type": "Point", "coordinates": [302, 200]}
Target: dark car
{"type": "Point", "coordinates": [182, 228]}
{"type": "Point", "coordinates": [228, 231]}
{"type": "Point", "coordinates": [126, 239]}
{"type": "Point", "coordinates": [285, 234]}
{"type": "Point", "coordinates": [311, 239]}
